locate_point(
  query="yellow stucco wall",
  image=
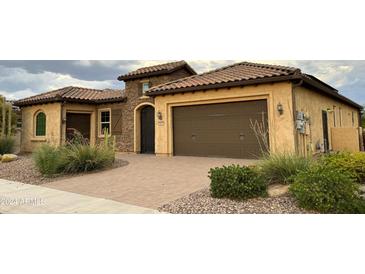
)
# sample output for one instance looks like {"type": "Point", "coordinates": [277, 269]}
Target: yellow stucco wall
{"type": "Point", "coordinates": [53, 126]}
{"type": "Point", "coordinates": [312, 103]}
{"type": "Point", "coordinates": [281, 127]}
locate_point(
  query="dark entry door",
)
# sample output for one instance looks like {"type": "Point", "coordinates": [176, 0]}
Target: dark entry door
{"type": "Point", "coordinates": [325, 130]}
{"type": "Point", "coordinates": [77, 122]}
{"type": "Point", "coordinates": [220, 130]}
{"type": "Point", "coordinates": [148, 130]}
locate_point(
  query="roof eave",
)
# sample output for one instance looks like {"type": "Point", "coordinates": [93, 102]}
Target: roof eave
{"type": "Point", "coordinates": [226, 85]}
{"type": "Point", "coordinates": [330, 91]}
{"type": "Point", "coordinates": [316, 84]}
{"type": "Point", "coordinates": [156, 73]}
{"type": "Point", "coordinates": [70, 100]}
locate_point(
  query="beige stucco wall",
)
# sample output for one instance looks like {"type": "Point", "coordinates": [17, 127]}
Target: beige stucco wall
{"type": "Point", "coordinates": [281, 127]}
{"type": "Point", "coordinates": [312, 103]}
{"type": "Point", "coordinates": [345, 139]}
{"type": "Point", "coordinates": [53, 126]}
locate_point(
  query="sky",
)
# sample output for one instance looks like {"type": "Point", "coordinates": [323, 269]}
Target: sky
{"type": "Point", "coordinates": [19, 79]}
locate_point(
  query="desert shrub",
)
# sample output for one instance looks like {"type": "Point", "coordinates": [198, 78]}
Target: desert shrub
{"type": "Point", "coordinates": [6, 145]}
{"type": "Point", "coordinates": [327, 190]}
{"type": "Point", "coordinates": [236, 182]}
{"type": "Point", "coordinates": [352, 163]}
{"type": "Point", "coordinates": [82, 158]}
{"type": "Point", "coordinates": [75, 156]}
{"type": "Point", "coordinates": [47, 159]}
{"type": "Point", "coordinates": [77, 138]}
{"type": "Point", "coordinates": [281, 168]}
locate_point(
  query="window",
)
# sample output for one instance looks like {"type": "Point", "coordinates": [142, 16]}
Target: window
{"type": "Point", "coordinates": [353, 119]}
{"type": "Point", "coordinates": [104, 121]}
{"type": "Point", "coordinates": [145, 87]}
{"type": "Point", "coordinates": [40, 124]}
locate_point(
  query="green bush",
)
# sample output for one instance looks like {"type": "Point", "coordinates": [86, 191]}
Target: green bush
{"type": "Point", "coordinates": [6, 145]}
{"type": "Point", "coordinates": [352, 163]}
{"type": "Point", "coordinates": [327, 190]}
{"type": "Point", "coordinates": [82, 158]}
{"type": "Point", "coordinates": [281, 168]}
{"type": "Point", "coordinates": [47, 159]}
{"type": "Point", "coordinates": [73, 157]}
{"type": "Point", "coordinates": [236, 182]}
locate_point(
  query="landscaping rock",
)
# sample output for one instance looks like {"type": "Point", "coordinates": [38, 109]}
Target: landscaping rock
{"type": "Point", "coordinates": [202, 203]}
{"type": "Point", "coordinates": [8, 158]}
{"type": "Point", "coordinates": [277, 190]}
{"type": "Point", "coordinates": [362, 191]}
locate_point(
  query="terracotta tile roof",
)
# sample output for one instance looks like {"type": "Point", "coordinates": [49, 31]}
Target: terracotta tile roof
{"type": "Point", "coordinates": [156, 70]}
{"type": "Point", "coordinates": [74, 94]}
{"type": "Point", "coordinates": [239, 72]}
{"type": "Point", "coordinates": [246, 73]}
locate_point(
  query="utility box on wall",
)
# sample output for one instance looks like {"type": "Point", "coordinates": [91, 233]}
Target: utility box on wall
{"type": "Point", "coordinates": [300, 122]}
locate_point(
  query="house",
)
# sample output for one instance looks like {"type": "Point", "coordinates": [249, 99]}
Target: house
{"type": "Point", "coordinates": [237, 111]}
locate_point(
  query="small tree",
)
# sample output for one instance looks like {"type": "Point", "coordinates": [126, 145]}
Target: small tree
{"type": "Point", "coordinates": [7, 118]}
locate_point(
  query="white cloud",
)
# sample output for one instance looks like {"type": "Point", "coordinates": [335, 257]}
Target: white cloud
{"type": "Point", "coordinates": [16, 83]}
{"type": "Point", "coordinates": [17, 94]}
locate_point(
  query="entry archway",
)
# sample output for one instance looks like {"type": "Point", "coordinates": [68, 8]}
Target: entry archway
{"type": "Point", "coordinates": [144, 128]}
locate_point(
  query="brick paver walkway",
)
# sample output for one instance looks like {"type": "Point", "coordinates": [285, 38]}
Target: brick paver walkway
{"type": "Point", "coordinates": [147, 180]}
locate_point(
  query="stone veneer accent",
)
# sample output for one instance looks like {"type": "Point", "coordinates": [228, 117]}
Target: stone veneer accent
{"type": "Point", "coordinates": [133, 91]}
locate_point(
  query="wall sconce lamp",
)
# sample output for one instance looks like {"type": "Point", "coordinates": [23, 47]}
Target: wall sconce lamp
{"type": "Point", "coordinates": [280, 108]}
{"type": "Point", "coordinates": [159, 115]}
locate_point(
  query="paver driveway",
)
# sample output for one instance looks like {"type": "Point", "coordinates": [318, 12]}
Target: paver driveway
{"type": "Point", "coordinates": [147, 180]}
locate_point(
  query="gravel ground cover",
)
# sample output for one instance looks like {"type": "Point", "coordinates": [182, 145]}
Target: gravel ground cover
{"type": "Point", "coordinates": [202, 203]}
{"type": "Point", "coordinates": [23, 170]}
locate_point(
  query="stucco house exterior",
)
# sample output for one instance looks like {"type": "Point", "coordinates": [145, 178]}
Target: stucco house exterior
{"type": "Point", "coordinates": [238, 111]}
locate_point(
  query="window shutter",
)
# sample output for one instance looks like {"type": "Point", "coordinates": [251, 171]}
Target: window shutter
{"type": "Point", "coordinates": [117, 121]}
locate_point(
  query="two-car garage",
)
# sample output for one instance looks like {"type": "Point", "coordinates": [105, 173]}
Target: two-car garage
{"type": "Point", "coordinates": [220, 130]}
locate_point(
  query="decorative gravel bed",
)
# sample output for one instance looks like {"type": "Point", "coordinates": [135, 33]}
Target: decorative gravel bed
{"type": "Point", "coordinates": [23, 170]}
{"type": "Point", "coordinates": [202, 203]}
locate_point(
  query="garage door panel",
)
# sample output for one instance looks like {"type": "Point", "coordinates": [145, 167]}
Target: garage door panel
{"type": "Point", "coordinates": [221, 122]}
{"type": "Point", "coordinates": [218, 130]}
{"type": "Point", "coordinates": [217, 136]}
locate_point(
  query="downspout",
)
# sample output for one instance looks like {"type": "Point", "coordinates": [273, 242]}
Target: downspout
{"type": "Point", "coordinates": [294, 103]}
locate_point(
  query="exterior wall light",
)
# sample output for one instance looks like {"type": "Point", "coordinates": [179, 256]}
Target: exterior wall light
{"type": "Point", "coordinates": [280, 108]}
{"type": "Point", "coordinates": [159, 115]}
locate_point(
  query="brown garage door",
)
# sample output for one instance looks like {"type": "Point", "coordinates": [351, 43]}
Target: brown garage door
{"type": "Point", "coordinates": [219, 130]}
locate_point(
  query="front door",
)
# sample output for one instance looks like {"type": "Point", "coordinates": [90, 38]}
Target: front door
{"type": "Point", "coordinates": [325, 131]}
{"type": "Point", "coordinates": [148, 130]}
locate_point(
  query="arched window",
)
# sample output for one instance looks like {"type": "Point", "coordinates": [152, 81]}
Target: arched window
{"type": "Point", "coordinates": [40, 124]}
